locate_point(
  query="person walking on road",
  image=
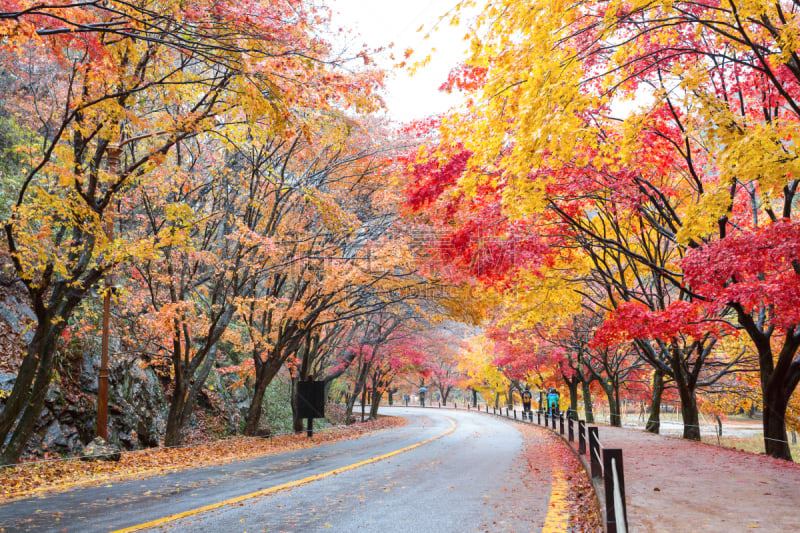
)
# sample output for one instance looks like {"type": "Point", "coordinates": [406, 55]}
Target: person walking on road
{"type": "Point", "coordinates": [552, 402]}
{"type": "Point", "coordinates": [527, 397]}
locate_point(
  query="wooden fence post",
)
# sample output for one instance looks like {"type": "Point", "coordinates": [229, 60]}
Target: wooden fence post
{"type": "Point", "coordinates": [594, 452]}
{"type": "Point", "coordinates": [614, 483]}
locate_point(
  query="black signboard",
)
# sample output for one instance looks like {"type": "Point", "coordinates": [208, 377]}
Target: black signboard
{"type": "Point", "coordinates": [311, 399]}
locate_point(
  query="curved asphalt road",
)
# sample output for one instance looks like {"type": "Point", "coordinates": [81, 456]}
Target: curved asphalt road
{"type": "Point", "coordinates": [470, 478]}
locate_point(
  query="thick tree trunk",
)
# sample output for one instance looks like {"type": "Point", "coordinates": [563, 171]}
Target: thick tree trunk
{"type": "Point", "coordinates": [351, 401]}
{"type": "Point", "coordinates": [572, 385]}
{"type": "Point", "coordinates": [613, 411]}
{"type": "Point", "coordinates": [776, 439]}
{"type": "Point", "coordinates": [780, 377]}
{"type": "Point", "coordinates": [30, 414]}
{"type": "Point", "coordinates": [348, 408]}
{"type": "Point", "coordinates": [24, 405]}
{"type": "Point", "coordinates": [200, 377]}
{"type": "Point", "coordinates": [376, 402]}
{"type": "Point", "coordinates": [691, 415]}
{"type": "Point", "coordinates": [687, 393]}
{"type": "Point", "coordinates": [184, 398]}
{"type": "Point", "coordinates": [612, 395]}
{"type": "Point", "coordinates": [253, 417]}
{"type": "Point", "coordinates": [779, 380]}
{"type": "Point", "coordinates": [254, 410]}
{"type": "Point", "coordinates": [363, 402]}
{"type": "Point", "coordinates": [191, 374]}
{"type": "Point", "coordinates": [587, 402]}
{"type": "Point", "coordinates": [20, 393]}
{"type": "Point", "coordinates": [474, 398]}
{"type": "Point", "coordinates": [172, 435]}
{"type": "Point", "coordinates": [654, 419]}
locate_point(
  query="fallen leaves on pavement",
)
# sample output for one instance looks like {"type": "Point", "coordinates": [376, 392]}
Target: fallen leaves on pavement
{"type": "Point", "coordinates": [28, 479]}
{"type": "Point", "coordinates": [584, 515]}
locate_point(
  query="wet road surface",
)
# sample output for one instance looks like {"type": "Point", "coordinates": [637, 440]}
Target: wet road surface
{"type": "Point", "coordinates": [466, 476]}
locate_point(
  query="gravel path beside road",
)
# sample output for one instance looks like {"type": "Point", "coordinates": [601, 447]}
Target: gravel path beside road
{"type": "Point", "coordinates": [673, 485]}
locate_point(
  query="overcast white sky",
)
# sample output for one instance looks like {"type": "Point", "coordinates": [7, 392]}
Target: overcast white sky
{"type": "Point", "coordinates": [381, 22]}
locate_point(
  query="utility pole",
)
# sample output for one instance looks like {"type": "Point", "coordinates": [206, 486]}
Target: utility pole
{"type": "Point", "coordinates": [112, 155]}
{"type": "Point", "coordinates": [102, 378]}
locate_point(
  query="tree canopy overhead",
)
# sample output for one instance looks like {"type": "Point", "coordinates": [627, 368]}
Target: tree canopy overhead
{"type": "Point", "coordinates": [657, 141]}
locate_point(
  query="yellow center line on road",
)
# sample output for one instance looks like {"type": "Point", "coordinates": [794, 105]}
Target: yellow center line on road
{"type": "Point", "coordinates": [557, 519]}
{"type": "Point", "coordinates": [283, 486]}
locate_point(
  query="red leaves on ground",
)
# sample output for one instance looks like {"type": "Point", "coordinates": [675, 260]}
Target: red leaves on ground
{"type": "Point", "coordinates": [584, 515]}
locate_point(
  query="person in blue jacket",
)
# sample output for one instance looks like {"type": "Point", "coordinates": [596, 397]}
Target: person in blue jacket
{"type": "Point", "coordinates": [552, 402]}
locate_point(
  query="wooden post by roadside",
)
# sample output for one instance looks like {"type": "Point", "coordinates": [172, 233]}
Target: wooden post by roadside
{"type": "Point", "coordinates": [594, 452]}
{"type": "Point", "coordinates": [582, 437]}
{"type": "Point", "coordinates": [614, 483]}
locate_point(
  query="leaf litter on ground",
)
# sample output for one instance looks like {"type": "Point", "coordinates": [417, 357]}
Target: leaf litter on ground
{"type": "Point", "coordinates": [584, 514]}
{"type": "Point", "coordinates": [34, 478]}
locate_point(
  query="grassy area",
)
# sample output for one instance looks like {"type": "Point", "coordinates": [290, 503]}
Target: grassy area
{"type": "Point", "coordinates": [750, 444]}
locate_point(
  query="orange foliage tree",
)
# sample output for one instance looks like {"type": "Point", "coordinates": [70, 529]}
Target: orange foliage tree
{"type": "Point", "coordinates": [116, 88]}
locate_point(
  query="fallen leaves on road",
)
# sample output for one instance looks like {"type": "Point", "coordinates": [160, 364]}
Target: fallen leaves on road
{"type": "Point", "coordinates": [28, 479]}
{"type": "Point", "coordinates": [584, 515]}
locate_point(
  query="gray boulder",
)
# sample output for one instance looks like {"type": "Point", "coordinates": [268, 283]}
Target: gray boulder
{"type": "Point", "coordinates": [7, 382]}
{"type": "Point", "coordinates": [54, 438]}
{"type": "Point", "coordinates": [17, 315]}
{"type": "Point", "coordinates": [100, 450]}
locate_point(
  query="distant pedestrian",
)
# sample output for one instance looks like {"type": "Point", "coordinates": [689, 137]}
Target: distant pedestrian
{"type": "Point", "coordinates": [527, 397]}
{"type": "Point", "coordinates": [552, 402]}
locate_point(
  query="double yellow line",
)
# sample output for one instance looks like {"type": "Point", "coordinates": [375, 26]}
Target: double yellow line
{"type": "Point", "coordinates": [283, 486]}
